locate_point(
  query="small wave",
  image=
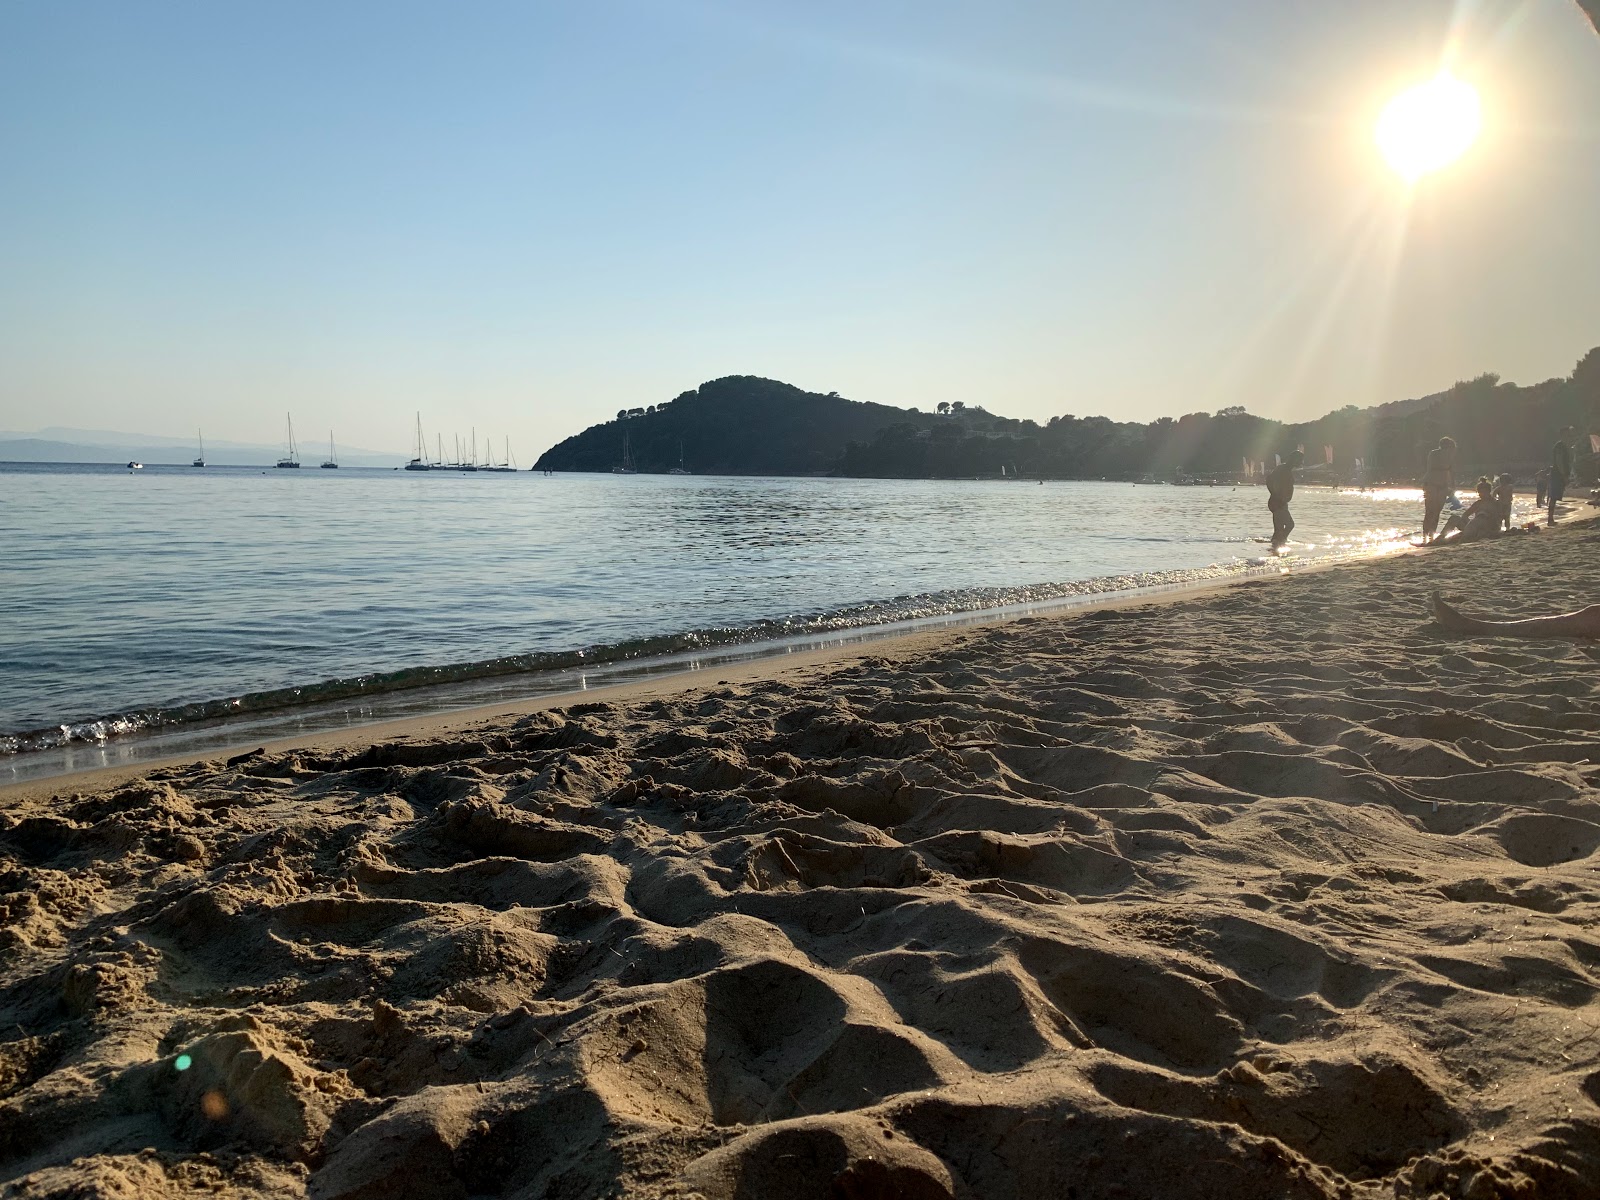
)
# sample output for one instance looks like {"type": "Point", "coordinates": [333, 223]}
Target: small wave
{"type": "Point", "coordinates": [899, 609]}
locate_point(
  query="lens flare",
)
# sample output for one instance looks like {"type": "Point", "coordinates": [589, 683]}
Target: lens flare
{"type": "Point", "coordinates": [1428, 126]}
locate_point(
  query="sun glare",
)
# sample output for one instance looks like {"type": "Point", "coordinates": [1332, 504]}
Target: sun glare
{"type": "Point", "coordinates": [1428, 126]}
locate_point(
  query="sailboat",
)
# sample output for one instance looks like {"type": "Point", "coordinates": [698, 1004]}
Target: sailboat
{"type": "Point", "coordinates": [679, 469]}
{"type": "Point", "coordinates": [504, 464]}
{"type": "Point", "coordinates": [292, 459]}
{"type": "Point", "coordinates": [333, 463]}
{"type": "Point", "coordinates": [201, 460]}
{"type": "Point", "coordinates": [420, 462]}
{"type": "Point", "coordinates": [627, 467]}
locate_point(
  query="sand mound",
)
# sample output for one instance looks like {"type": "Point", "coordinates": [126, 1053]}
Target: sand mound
{"type": "Point", "coordinates": [1275, 894]}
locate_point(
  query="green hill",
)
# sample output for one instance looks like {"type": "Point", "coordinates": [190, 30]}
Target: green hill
{"type": "Point", "coordinates": [744, 425]}
{"type": "Point", "coordinates": [738, 425]}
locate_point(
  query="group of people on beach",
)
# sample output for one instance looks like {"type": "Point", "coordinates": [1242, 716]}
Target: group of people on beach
{"type": "Point", "coordinates": [1552, 484]}
{"type": "Point", "coordinates": [1487, 516]}
{"type": "Point", "coordinates": [1490, 514]}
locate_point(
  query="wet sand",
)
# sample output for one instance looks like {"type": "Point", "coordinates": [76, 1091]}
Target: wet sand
{"type": "Point", "coordinates": [1275, 892]}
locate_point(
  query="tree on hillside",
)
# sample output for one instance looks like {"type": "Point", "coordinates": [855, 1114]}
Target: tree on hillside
{"type": "Point", "coordinates": [1585, 386]}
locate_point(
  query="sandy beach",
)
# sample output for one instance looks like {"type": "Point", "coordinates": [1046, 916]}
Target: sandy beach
{"type": "Point", "coordinates": [1273, 892]}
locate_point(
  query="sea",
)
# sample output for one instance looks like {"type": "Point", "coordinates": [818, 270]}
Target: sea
{"type": "Point", "coordinates": [176, 610]}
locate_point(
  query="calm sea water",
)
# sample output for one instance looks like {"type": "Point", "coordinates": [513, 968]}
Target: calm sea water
{"type": "Point", "coordinates": [169, 595]}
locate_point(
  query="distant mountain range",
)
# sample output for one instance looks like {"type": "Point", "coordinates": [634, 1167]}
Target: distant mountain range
{"type": "Point", "coordinates": [59, 445]}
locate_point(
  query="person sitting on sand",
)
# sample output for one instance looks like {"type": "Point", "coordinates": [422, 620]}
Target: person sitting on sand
{"type": "Point", "coordinates": [1437, 483]}
{"type": "Point", "coordinates": [1280, 490]}
{"type": "Point", "coordinates": [1505, 492]}
{"type": "Point", "coordinates": [1483, 521]}
{"type": "Point", "coordinates": [1483, 518]}
{"type": "Point", "coordinates": [1460, 521]}
{"type": "Point", "coordinates": [1585, 623]}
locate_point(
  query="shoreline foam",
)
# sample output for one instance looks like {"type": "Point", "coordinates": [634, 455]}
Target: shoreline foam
{"type": "Point", "coordinates": [1274, 892]}
{"type": "Point", "coordinates": [101, 700]}
{"type": "Point", "coordinates": [156, 733]}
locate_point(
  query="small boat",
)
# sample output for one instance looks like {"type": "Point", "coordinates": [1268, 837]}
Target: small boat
{"type": "Point", "coordinates": [679, 469]}
{"type": "Point", "coordinates": [627, 467]}
{"type": "Point", "coordinates": [420, 462]}
{"type": "Point", "coordinates": [333, 463]}
{"type": "Point", "coordinates": [135, 466]}
{"type": "Point", "coordinates": [200, 459]}
{"type": "Point", "coordinates": [291, 459]}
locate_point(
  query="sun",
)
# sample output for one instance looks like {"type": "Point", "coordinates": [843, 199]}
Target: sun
{"type": "Point", "coordinates": [1428, 126]}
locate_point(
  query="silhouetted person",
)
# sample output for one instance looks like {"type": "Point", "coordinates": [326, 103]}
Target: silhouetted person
{"type": "Point", "coordinates": [1585, 623]}
{"type": "Point", "coordinates": [1505, 492]}
{"type": "Point", "coordinates": [1280, 490]}
{"type": "Point", "coordinates": [1482, 519]}
{"type": "Point", "coordinates": [1475, 514]}
{"type": "Point", "coordinates": [1560, 473]}
{"type": "Point", "coordinates": [1437, 483]}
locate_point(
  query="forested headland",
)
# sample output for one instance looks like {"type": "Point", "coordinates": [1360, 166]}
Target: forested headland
{"type": "Point", "coordinates": [746, 425]}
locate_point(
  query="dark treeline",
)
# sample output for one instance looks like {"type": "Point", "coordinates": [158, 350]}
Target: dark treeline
{"type": "Point", "coordinates": [748, 425]}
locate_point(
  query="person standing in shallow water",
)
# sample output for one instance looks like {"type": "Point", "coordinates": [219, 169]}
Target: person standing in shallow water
{"type": "Point", "coordinates": [1280, 490]}
{"type": "Point", "coordinates": [1560, 473]}
{"type": "Point", "coordinates": [1437, 484]}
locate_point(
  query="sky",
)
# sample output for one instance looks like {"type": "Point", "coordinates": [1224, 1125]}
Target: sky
{"type": "Point", "coordinates": [521, 217]}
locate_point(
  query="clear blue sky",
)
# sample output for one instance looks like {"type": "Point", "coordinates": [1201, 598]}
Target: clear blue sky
{"type": "Point", "coordinates": [525, 216]}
